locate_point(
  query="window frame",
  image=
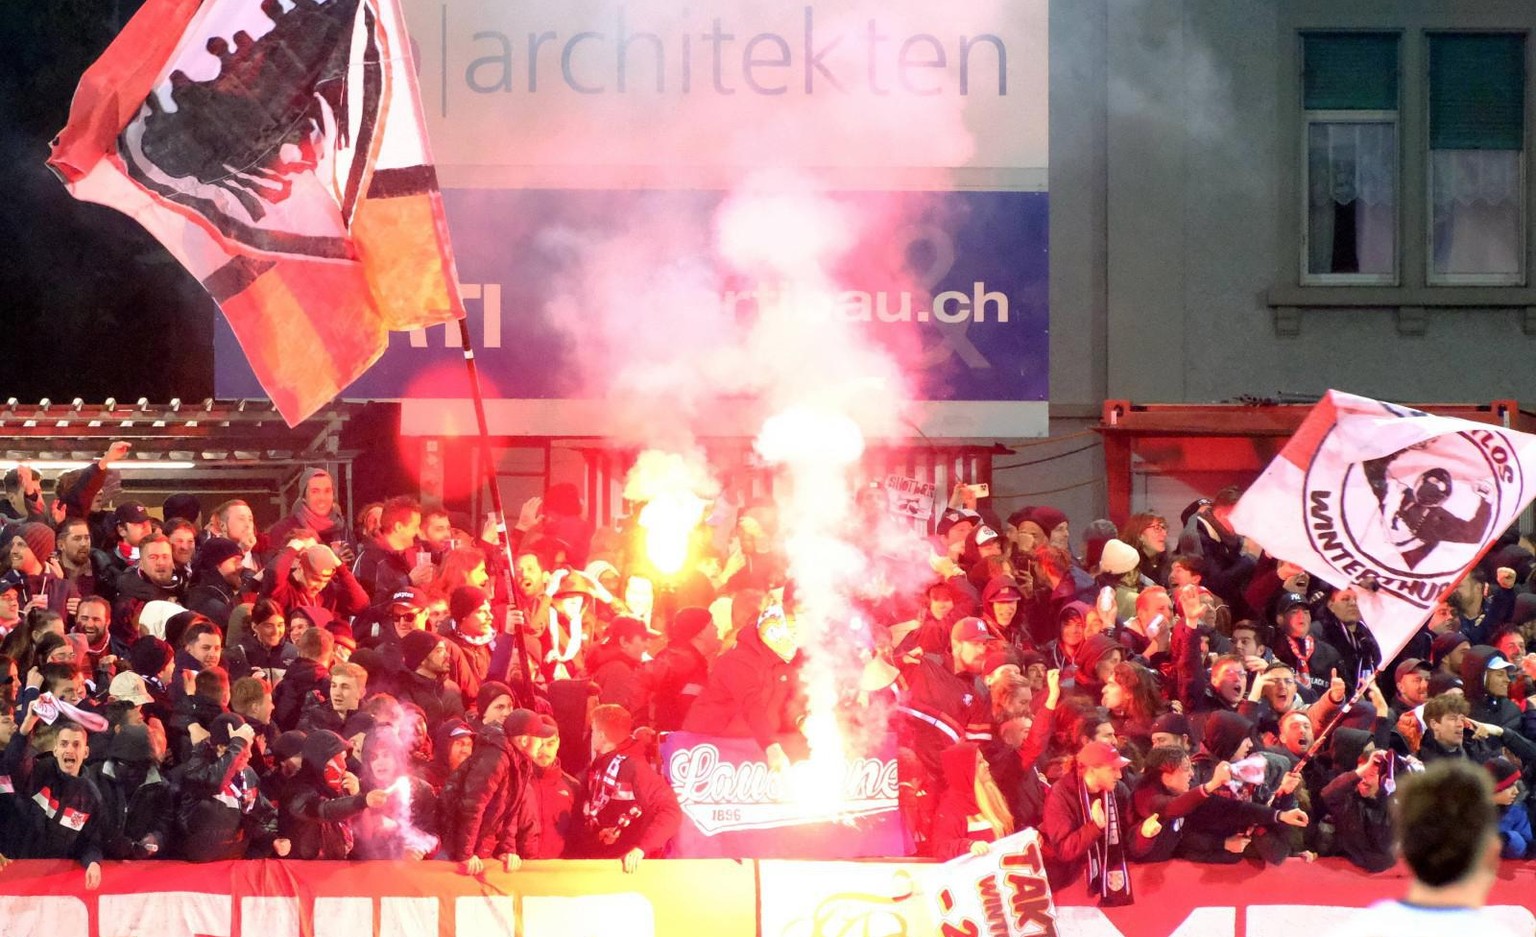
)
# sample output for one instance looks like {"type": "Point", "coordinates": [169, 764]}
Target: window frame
{"type": "Point", "coordinates": [1431, 278]}
{"type": "Point", "coordinates": [1312, 117]}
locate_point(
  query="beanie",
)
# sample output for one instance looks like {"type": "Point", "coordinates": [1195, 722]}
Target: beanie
{"type": "Point", "coordinates": [1118, 557]}
{"type": "Point", "coordinates": [1047, 517]}
{"type": "Point", "coordinates": [688, 623]}
{"type": "Point", "coordinates": [40, 540]}
{"type": "Point", "coordinates": [224, 724]}
{"type": "Point", "coordinates": [490, 692]}
{"type": "Point", "coordinates": [216, 550]}
{"type": "Point", "coordinates": [149, 655]}
{"type": "Point", "coordinates": [288, 745]}
{"type": "Point", "coordinates": [415, 647]}
{"type": "Point", "coordinates": [464, 601]}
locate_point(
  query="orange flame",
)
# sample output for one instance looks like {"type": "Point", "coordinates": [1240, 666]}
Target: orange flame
{"type": "Point", "coordinates": [669, 519]}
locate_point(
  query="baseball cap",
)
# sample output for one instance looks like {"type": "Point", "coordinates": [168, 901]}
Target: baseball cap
{"type": "Point", "coordinates": [953, 516]}
{"type": "Point", "coordinates": [985, 535]}
{"type": "Point", "coordinates": [1101, 755]}
{"type": "Point", "coordinates": [1290, 600]}
{"type": "Point", "coordinates": [130, 687]}
{"type": "Point", "coordinates": [130, 512]}
{"type": "Point", "coordinates": [1409, 666]}
{"type": "Point", "coordinates": [409, 596]}
{"type": "Point", "coordinates": [1171, 723]}
{"type": "Point", "coordinates": [970, 629]}
{"type": "Point", "coordinates": [321, 558]}
{"type": "Point", "coordinates": [14, 580]}
{"type": "Point", "coordinates": [1499, 662]}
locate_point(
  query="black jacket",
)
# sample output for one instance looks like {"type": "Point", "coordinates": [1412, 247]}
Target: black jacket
{"type": "Point", "coordinates": [251, 657]}
{"type": "Point", "coordinates": [381, 571]}
{"type": "Point", "coordinates": [221, 812]}
{"type": "Point", "coordinates": [317, 817]}
{"type": "Point", "coordinates": [305, 680]}
{"type": "Point", "coordinates": [488, 808]}
{"type": "Point", "coordinates": [673, 681]}
{"type": "Point", "coordinates": [59, 816]}
{"type": "Point", "coordinates": [137, 815]}
{"type": "Point", "coordinates": [618, 681]}
{"type": "Point", "coordinates": [210, 595]}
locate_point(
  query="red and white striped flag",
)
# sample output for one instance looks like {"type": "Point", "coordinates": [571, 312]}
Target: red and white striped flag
{"type": "Point", "coordinates": [277, 150]}
{"type": "Point", "coordinates": [1394, 500]}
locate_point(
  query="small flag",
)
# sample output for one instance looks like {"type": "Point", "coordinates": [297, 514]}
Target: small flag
{"type": "Point", "coordinates": [277, 150]}
{"type": "Point", "coordinates": [1395, 501]}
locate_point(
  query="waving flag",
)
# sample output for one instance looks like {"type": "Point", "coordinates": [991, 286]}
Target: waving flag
{"type": "Point", "coordinates": [1395, 501]}
{"type": "Point", "coordinates": [277, 150]}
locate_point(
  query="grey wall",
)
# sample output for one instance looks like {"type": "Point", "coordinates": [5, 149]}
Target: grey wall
{"type": "Point", "coordinates": [1175, 149]}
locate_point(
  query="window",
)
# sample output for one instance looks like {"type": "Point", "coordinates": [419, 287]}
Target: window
{"type": "Point", "coordinates": [1476, 159]}
{"type": "Point", "coordinates": [1350, 97]}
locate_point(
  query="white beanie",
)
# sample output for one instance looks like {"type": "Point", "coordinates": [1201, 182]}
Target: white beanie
{"type": "Point", "coordinates": [154, 615]}
{"type": "Point", "coordinates": [1118, 557]}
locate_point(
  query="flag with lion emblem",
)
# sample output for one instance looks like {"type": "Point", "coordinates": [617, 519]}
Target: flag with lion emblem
{"type": "Point", "coordinates": [1397, 502]}
{"type": "Point", "coordinates": [277, 150]}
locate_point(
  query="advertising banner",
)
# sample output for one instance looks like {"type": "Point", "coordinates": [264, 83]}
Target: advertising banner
{"type": "Point", "coordinates": [735, 807]}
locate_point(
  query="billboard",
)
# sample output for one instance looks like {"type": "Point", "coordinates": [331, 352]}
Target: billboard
{"type": "Point", "coordinates": [561, 130]}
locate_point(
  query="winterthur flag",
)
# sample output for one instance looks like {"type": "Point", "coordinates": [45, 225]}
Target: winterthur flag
{"type": "Point", "coordinates": [1396, 501]}
{"type": "Point", "coordinates": [276, 149]}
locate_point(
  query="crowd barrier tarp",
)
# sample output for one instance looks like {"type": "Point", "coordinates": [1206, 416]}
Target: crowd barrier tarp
{"type": "Point", "coordinates": [734, 807]}
{"type": "Point", "coordinates": [774, 898]}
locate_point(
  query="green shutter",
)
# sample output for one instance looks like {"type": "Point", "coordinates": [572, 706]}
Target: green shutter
{"type": "Point", "coordinates": [1349, 71]}
{"type": "Point", "coordinates": [1477, 92]}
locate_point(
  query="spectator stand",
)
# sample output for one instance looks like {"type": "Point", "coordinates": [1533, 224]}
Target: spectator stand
{"type": "Point", "coordinates": [215, 449]}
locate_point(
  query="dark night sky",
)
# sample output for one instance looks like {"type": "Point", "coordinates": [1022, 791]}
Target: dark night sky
{"type": "Point", "coordinates": [92, 306]}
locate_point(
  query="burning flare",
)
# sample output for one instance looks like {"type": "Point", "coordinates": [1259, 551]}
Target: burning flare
{"type": "Point", "coordinates": [669, 520]}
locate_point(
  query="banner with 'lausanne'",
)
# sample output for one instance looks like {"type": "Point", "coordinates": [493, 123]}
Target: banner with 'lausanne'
{"type": "Point", "coordinates": [1395, 501]}
{"type": "Point", "coordinates": [736, 808]}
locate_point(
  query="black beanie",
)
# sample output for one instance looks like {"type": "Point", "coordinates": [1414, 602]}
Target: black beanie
{"type": "Point", "coordinates": [416, 646]}
{"type": "Point", "coordinates": [149, 655]}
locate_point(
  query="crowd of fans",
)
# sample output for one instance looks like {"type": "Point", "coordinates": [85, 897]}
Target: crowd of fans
{"type": "Point", "coordinates": [188, 686]}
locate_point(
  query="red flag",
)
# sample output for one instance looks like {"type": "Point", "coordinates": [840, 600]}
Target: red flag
{"type": "Point", "coordinates": [278, 151]}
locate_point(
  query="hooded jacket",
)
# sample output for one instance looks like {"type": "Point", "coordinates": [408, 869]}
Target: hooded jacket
{"type": "Point", "coordinates": [1495, 710]}
{"type": "Point", "coordinates": [751, 693]}
{"type": "Point", "coordinates": [305, 680]}
{"type": "Point", "coordinates": [210, 595]}
{"type": "Point", "coordinates": [1217, 817]}
{"type": "Point", "coordinates": [1017, 631]}
{"type": "Point", "coordinates": [1089, 654]}
{"type": "Point", "coordinates": [1362, 826]}
{"type": "Point", "coordinates": [316, 817]}
{"type": "Point", "coordinates": [486, 808]}
{"type": "Point", "coordinates": [955, 820]}
{"type": "Point", "coordinates": [138, 807]}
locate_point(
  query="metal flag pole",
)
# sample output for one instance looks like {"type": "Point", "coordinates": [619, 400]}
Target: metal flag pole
{"type": "Point", "coordinates": [502, 539]}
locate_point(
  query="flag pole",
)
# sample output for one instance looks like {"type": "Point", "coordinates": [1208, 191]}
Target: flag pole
{"type": "Point", "coordinates": [502, 540]}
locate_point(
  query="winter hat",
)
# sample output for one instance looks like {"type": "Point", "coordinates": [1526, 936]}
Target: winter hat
{"type": "Point", "coordinates": [1002, 657]}
{"type": "Point", "coordinates": [490, 692]}
{"type": "Point", "coordinates": [149, 655]}
{"type": "Point", "coordinates": [1442, 683]}
{"type": "Point", "coordinates": [223, 727]}
{"type": "Point", "coordinates": [182, 505]}
{"type": "Point", "coordinates": [214, 551]}
{"type": "Point", "coordinates": [465, 600]}
{"type": "Point", "coordinates": [1118, 557]}
{"type": "Point", "coordinates": [416, 647]}
{"type": "Point", "coordinates": [1347, 747]}
{"type": "Point", "coordinates": [624, 628]}
{"type": "Point", "coordinates": [1048, 518]}
{"type": "Point", "coordinates": [1504, 773]}
{"type": "Point", "coordinates": [1443, 646]}
{"type": "Point", "coordinates": [527, 722]}
{"type": "Point", "coordinates": [40, 540]}
{"type": "Point", "coordinates": [288, 745]}
{"type": "Point", "coordinates": [154, 615]}
{"type": "Point", "coordinates": [688, 623]}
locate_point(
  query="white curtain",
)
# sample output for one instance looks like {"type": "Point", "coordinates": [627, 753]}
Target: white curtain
{"type": "Point", "coordinates": [1475, 196]}
{"type": "Point", "coordinates": [1352, 198]}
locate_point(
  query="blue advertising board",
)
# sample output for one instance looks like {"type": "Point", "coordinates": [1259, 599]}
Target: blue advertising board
{"type": "Point", "coordinates": [965, 304]}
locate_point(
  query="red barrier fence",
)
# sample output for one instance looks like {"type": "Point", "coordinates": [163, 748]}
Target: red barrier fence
{"type": "Point", "coordinates": [674, 898]}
